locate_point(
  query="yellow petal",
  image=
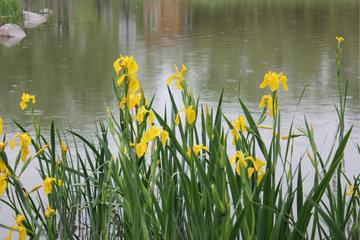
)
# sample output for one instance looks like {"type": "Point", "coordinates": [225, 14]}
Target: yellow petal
{"type": "Point", "coordinates": [140, 114]}
{"type": "Point", "coordinates": [131, 66]}
{"type": "Point", "coordinates": [274, 84]}
{"type": "Point", "coordinates": [8, 235]}
{"type": "Point", "coordinates": [179, 85]}
{"type": "Point", "coordinates": [24, 153]}
{"type": "Point", "coordinates": [3, 183]}
{"type": "Point", "coordinates": [133, 85]}
{"type": "Point", "coordinates": [2, 146]}
{"type": "Point", "coordinates": [63, 147]}
{"type": "Point", "coordinates": [250, 171]}
{"type": "Point", "coordinates": [120, 80]}
{"type": "Point", "coordinates": [237, 168]}
{"type": "Point", "coordinates": [22, 232]}
{"type": "Point", "coordinates": [116, 66]}
{"type": "Point", "coordinates": [260, 176]}
{"type": "Point", "coordinates": [23, 105]}
{"type": "Point", "coordinates": [232, 159]}
{"type": "Point", "coordinates": [263, 84]}
{"type": "Point", "coordinates": [12, 143]}
{"type": "Point", "coordinates": [170, 79]}
{"type": "Point", "coordinates": [197, 148]}
{"type": "Point", "coordinates": [283, 81]}
{"type": "Point", "coordinates": [239, 124]}
{"type": "Point", "coordinates": [140, 149]}
{"type": "Point", "coordinates": [258, 164]}
{"type": "Point", "coordinates": [154, 132]}
{"type": "Point", "coordinates": [49, 212]}
{"type": "Point", "coordinates": [164, 137]}
{"type": "Point", "coordinates": [1, 125]}
{"type": "Point", "coordinates": [183, 69]}
{"type": "Point", "coordinates": [177, 119]}
{"type": "Point", "coordinates": [19, 219]}
{"type": "Point", "coordinates": [48, 185]}
{"type": "Point", "coordinates": [190, 115]}
{"type": "Point", "coordinates": [151, 118]}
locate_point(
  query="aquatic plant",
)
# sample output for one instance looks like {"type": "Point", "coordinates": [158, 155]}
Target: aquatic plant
{"type": "Point", "coordinates": [10, 11]}
{"type": "Point", "coordinates": [178, 174]}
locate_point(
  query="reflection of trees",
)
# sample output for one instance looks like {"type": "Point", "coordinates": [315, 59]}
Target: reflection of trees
{"type": "Point", "coordinates": [163, 18]}
{"type": "Point", "coordinates": [222, 42]}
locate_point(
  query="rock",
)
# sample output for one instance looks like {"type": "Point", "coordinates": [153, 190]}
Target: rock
{"type": "Point", "coordinates": [11, 30]}
{"type": "Point", "coordinates": [32, 20]}
{"type": "Point", "coordinates": [11, 34]}
{"type": "Point", "coordinates": [45, 12]}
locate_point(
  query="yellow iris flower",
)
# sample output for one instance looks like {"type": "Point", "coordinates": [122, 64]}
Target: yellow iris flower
{"type": "Point", "coordinates": [140, 149]}
{"type": "Point", "coordinates": [3, 168]}
{"type": "Point", "coordinates": [25, 99]}
{"type": "Point", "coordinates": [24, 142]}
{"type": "Point", "coordinates": [140, 114]}
{"type": "Point", "coordinates": [134, 85]}
{"type": "Point", "coordinates": [164, 135]}
{"type": "Point", "coordinates": [125, 62]}
{"type": "Point", "coordinates": [239, 124]}
{"type": "Point", "coordinates": [133, 100]}
{"type": "Point", "coordinates": [198, 148]}
{"type": "Point", "coordinates": [48, 184]}
{"type": "Point", "coordinates": [339, 39]}
{"type": "Point", "coordinates": [267, 101]}
{"type": "Point", "coordinates": [273, 80]}
{"type": "Point", "coordinates": [151, 118]}
{"type": "Point", "coordinates": [178, 76]}
{"type": "Point", "coordinates": [190, 115]}
{"type": "Point", "coordinates": [49, 212]}
{"type": "Point", "coordinates": [22, 232]}
{"type": "Point", "coordinates": [177, 119]}
{"type": "Point", "coordinates": [240, 160]}
{"type": "Point", "coordinates": [122, 103]}
{"type": "Point", "coordinates": [258, 164]}
{"type": "Point", "coordinates": [19, 219]}
{"type": "Point", "coordinates": [351, 191]}
{"type": "Point", "coordinates": [2, 146]}
{"type": "Point", "coordinates": [3, 183]}
{"type": "Point", "coordinates": [64, 148]}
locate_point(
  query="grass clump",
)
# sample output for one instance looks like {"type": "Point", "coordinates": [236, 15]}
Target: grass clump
{"type": "Point", "coordinates": [186, 173]}
{"type": "Point", "coordinates": [10, 11]}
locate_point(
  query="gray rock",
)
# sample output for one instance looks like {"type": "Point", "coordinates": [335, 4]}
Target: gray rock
{"type": "Point", "coordinates": [11, 34]}
{"type": "Point", "coordinates": [32, 20]}
{"type": "Point", "coordinates": [11, 30]}
{"type": "Point", "coordinates": [45, 11]}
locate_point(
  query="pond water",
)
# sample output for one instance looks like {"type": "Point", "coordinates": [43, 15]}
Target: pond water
{"type": "Point", "coordinates": [227, 44]}
{"type": "Point", "coordinates": [67, 62]}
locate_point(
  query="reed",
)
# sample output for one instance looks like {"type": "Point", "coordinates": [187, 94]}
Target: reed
{"type": "Point", "coordinates": [10, 11]}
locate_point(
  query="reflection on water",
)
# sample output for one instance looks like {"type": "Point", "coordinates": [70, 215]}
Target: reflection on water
{"type": "Point", "coordinates": [225, 44]}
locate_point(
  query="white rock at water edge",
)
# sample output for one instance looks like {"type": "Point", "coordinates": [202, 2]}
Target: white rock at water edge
{"type": "Point", "coordinates": [32, 20]}
{"type": "Point", "coordinates": [11, 30]}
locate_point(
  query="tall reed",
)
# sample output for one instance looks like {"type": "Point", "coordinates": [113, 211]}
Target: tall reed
{"type": "Point", "coordinates": [10, 11]}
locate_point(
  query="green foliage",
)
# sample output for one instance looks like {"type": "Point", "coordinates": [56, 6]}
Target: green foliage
{"type": "Point", "coordinates": [10, 11]}
{"type": "Point", "coordinates": [110, 191]}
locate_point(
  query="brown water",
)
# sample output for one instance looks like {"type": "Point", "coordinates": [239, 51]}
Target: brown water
{"type": "Point", "coordinates": [67, 62]}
